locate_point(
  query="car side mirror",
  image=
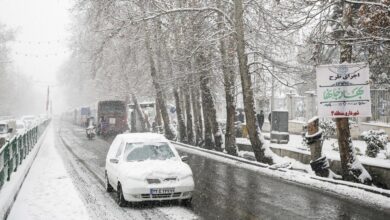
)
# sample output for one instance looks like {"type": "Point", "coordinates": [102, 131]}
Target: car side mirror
{"type": "Point", "coordinates": [114, 160]}
{"type": "Point", "coordinates": [10, 130]}
{"type": "Point", "coordinates": [184, 158]}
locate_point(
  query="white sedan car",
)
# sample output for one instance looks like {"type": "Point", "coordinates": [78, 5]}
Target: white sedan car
{"type": "Point", "coordinates": [20, 127]}
{"type": "Point", "coordinates": [146, 167]}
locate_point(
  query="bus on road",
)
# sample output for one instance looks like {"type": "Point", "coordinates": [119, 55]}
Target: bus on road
{"type": "Point", "coordinates": [111, 117]}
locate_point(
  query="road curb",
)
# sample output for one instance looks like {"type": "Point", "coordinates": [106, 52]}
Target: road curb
{"type": "Point", "coordinates": [262, 165]}
{"type": "Point", "coordinates": [266, 166]}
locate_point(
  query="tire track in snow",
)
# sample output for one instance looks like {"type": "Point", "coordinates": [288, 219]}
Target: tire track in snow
{"type": "Point", "coordinates": [98, 182]}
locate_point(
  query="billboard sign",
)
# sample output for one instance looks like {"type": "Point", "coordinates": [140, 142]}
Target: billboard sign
{"type": "Point", "coordinates": [343, 90]}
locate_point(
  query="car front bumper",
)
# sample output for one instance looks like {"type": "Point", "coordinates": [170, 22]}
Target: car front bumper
{"type": "Point", "coordinates": [182, 190]}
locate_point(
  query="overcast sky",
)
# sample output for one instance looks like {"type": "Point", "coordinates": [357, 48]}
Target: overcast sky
{"type": "Point", "coordinates": [41, 36]}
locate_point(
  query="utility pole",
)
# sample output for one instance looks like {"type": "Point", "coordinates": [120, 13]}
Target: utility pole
{"type": "Point", "coordinates": [47, 100]}
{"type": "Point", "coordinates": [51, 108]}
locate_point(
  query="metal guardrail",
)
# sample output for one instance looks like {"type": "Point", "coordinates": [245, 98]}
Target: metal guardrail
{"type": "Point", "coordinates": [14, 151]}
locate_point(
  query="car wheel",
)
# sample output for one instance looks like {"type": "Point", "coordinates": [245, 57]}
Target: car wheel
{"type": "Point", "coordinates": [120, 199]}
{"type": "Point", "coordinates": [186, 202]}
{"type": "Point", "coordinates": [109, 188]}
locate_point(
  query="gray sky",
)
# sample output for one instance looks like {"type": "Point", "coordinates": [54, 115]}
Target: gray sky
{"type": "Point", "coordinates": [41, 37]}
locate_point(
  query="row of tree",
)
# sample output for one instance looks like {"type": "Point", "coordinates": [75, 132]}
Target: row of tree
{"type": "Point", "coordinates": [193, 52]}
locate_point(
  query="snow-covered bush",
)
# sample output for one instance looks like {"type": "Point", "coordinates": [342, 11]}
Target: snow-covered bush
{"type": "Point", "coordinates": [328, 128]}
{"type": "Point", "coordinates": [376, 140]}
{"type": "Point", "coordinates": [387, 153]}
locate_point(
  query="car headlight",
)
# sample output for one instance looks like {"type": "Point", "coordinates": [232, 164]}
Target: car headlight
{"type": "Point", "coordinates": [134, 179]}
{"type": "Point", "coordinates": [185, 194]}
{"type": "Point", "coordinates": [186, 177]}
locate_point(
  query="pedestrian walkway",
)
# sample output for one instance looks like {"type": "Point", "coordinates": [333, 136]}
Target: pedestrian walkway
{"type": "Point", "coordinates": [48, 191]}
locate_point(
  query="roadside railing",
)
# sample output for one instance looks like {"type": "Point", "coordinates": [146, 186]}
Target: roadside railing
{"type": "Point", "coordinates": [14, 151]}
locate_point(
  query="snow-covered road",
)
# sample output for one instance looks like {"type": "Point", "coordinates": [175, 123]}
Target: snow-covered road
{"type": "Point", "coordinates": [222, 190]}
{"type": "Point", "coordinates": [85, 162]}
{"type": "Point", "coordinates": [63, 184]}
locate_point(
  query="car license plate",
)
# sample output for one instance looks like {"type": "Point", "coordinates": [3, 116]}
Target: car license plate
{"type": "Point", "coordinates": [162, 191]}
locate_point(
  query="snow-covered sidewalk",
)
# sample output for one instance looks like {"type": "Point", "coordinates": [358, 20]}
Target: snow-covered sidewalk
{"type": "Point", "coordinates": [48, 191]}
{"type": "Point", "coordinates": [295, 144]}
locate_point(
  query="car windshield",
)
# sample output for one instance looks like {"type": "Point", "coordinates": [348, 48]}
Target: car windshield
{"type": "Point", "coordinates": [148, 151]}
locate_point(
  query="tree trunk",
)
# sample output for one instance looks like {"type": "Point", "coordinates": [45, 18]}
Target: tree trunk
{"type": "Point", "coordinates": [160, 97]}
{"type": "Point", "coordinates": [351, 168]}
{"type": "Point", "coordinates": [197, 111]}
{"type": "Point", "coordinates": [230, 135]}
{"type": "Point", "coordinates": [158, 117]}
{"type": "Point", "coordinates": [178, 102]}
{"type": "Point", "coordinates": [208, 104]}
{"type": "Point", "coordinates": [206, 98]}
{"type": "Point", "coordinates": [315, 146]}
{"type": "Point", "coordinates": [180, 118]}
{"type": "Point", "coordinates": [246, 84]}
{"type": "Point", "coordinates": [318, 163]}
{"type": "Point", "coordinates": [190, 131]}
{"type": "Point", "coordinates": [176, 91]}
{"type": "Point", "coordinates": [229, 84]}
{"type": "Point", "coordinates": [138, 115]}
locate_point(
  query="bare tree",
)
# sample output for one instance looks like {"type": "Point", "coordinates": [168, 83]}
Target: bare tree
{"type": "Point", "coordinates": [246, 83]}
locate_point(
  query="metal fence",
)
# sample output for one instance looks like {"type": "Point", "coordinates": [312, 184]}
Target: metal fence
{"type": "Point", "coordinates": [380, 105]}
{"type": "Point", "coordinates": [13, 152]}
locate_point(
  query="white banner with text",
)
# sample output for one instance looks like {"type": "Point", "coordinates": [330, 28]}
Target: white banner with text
{"type": "Point", "coordinates": [343, 90]}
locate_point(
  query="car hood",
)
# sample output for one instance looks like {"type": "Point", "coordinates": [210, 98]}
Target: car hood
{"type": "Point", "coordinates": [155, 169]}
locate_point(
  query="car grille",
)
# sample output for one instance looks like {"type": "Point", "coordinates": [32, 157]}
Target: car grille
{"type": "Point", "coordinates": [176, 194]}
{"type": "Point", "coordinates": [161, 195]}
{"type": "Point", "coordinates": [153, 181]}
{"type": "Point", "coordinates": [145, 196]}
{"type": "Point", "coordinates": [156, 196]}
{"type": "Point", "coordinates": [157, 181]}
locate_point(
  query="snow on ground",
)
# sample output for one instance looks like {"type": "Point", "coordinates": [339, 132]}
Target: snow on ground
{"type": "Point", "coordinates": [11, 187]}
{"type": "Point", "coordinates": [88, 176]}
{"type": "Point", "coordinates": [378, 123]}
{"type": "Point", "coordinates": [328, 149]}
{"type": "Point", "coordinates": [48, 191]}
